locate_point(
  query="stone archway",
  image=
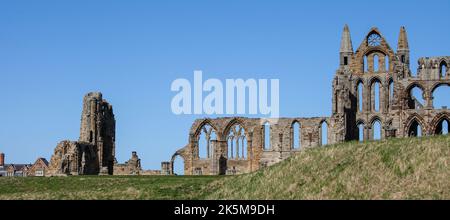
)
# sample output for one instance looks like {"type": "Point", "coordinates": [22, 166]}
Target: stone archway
{"type": "Point", "coordinates": [440, 124]}
{"type": "Point", "coordinates": [172, 164]}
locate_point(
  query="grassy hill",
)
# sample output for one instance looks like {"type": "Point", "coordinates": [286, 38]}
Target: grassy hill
{"type": "Point", "coordinates": [416, 168]}
{"type": "Point", "coordinates": [413, 168]}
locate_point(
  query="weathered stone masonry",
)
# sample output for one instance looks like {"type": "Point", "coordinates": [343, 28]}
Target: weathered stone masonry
{"type": "Point", "coordinates": [94, 152]}
{"type": "Point", "coordinates": [237, 145]}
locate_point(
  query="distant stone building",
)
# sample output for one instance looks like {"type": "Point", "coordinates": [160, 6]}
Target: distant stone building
{"type": "Point", "coordinates": [94, 152]}
{"type": "Point", "coordinates": [39, 168]}
{"type": "Point", "coordinates": [372, 94]}
{"type": "Point", "coordinates": [133, 167]}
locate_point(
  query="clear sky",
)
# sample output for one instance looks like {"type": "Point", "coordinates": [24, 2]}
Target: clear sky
{"type": "Point", "coordinates": [53, 52]}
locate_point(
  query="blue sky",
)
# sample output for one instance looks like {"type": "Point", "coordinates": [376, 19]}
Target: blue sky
{"type": "Point", "coordinates": [53, 52]}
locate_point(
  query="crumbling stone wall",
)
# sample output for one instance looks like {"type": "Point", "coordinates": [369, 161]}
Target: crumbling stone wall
{"type": "Point", "coordinates": [131, 167]}
{"type": "Point", "coordinates": [220, 162]}
{"type": "Point", "coordinates": [74, 158]}
{"type": "Point", "coordinates": [373, 63]}
{"type": "Point", "coordinates": [94, 153]}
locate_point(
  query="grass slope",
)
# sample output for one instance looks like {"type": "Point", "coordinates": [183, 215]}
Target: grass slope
{"type": "Point", "coordinates": [393, 169]}
{"type": "Point", "coordinates": [103, 187]}
{"type": "Point", "coordinates": [413, 168]}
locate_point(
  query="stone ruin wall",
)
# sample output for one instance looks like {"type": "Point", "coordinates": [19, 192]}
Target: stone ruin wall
{"type": "Point", "coordinates": [220, 161]}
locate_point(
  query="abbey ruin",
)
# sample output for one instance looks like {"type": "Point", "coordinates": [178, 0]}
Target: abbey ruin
{"type": "Point", "coordinates": [241, 145]}
{"type": "Point", "coordinates": [94, 152]}
{"type": "Point", "coordinates": [236, 145]}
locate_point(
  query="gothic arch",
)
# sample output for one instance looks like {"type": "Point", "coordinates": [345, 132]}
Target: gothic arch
{"type": "Point", "coordinates": [197, 129]}
{"type": "Point", "coordinates": [201, 139]}
{"type": "Point", "coordinates": [375, 79]}
{"type": "Point", "coordinates": [232, 123]}
{"type": "Point", "coordinates": [411, 103]}
{"type": "Point", "coordinates": [239, 137]}
{"type": "Point", "coordinates": [443, 68]}
{"type": "Point", "coordinates": [390, 91]}
{"type": "Point", "coordinates": [320, 128]}
{"type": "Point", "coordinates": [437, 85]}
{"type": "Point", "coordinates": [437, 120]}
{"type": "Point", "coordinates": [374, 119]}
{"type": "Point", "coordinates": [296, 125]}
{"type": "Point", "coordinates": [360, 121]}
{"type": "Point", "coordinates": [373, 131]}
{"type": "Point", "coordinates": [374, 95]}
{"type": "Point", "coordinates": [414, 84]}
{"type": "Point", "coordinates": [360, 130]}
{"type": "Point", "coordinates": [419, 120]}
{"type": "Point", "coordinates": [172, 161]}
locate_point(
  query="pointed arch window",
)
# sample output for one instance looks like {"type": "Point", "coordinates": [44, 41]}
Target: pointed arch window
{"type": "Point", "coordinates": [266, 131]}
{"type": "Point", "coordinates": [360, 96]}
{"type": "Point", "coordinates": [206, 137]}
{"type": "Point", "coordinates": [376, 63]}
{"type": "Point", "coordinates": [296, 135]}
{"type": "Point", "coordinates": [443, 69]}
{"type": "Point", "coordinates": [237, 142]}
{"type": "Point", "coordinates": [323, 133]}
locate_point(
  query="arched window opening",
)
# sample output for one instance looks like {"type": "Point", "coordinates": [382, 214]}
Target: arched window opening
{"type": "Point", "coordinates": [415, 130]}
{"type": "Point", "coordinates": [360, 96]}
{"type": "Point", "coordinates": [266, 136]}
{"type": "Point", "coordinates": [296, 133]}
{"type": "Point", "coordinates": [391, 93]}
{"type": "Point", "coordinates": [376, 95]}
{"type": "Point", "coordinates": [244, 148]}
{"type": "Point", "coordinates": [205, 139]}
{"type": "Point", "coordinates": [178, 165]}
{"type": "Point", "coordinates": [442, 127]}
{"type": "Point", "coordinates": [440, 97]}
{"type": "Point", "coordinates": [416, 100]}
{"type": "Point", "coordinates": [376, 130]}
{"type": "Point", "coordinates": [237, 143]}
{"type": "Point", "coordinates": [376, 63]}
{"type": "Point", "coordinates": [403, 59]}
{"type": "Point", "coordinates": [365, 65]}
{"type": "Point", "coordinates": [443, 69]}
{"type": "Point", "coordinates": [361, 132]}
{"type": "Point", "coordinates": [345, 61]}
{"type": "Point", "coordinates": [230, 144]}
{"type": "Point", "coordinates": [324, 133]}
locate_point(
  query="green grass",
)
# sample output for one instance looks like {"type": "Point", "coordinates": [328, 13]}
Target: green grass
{"type": "Point", "coordinates": [416, 168]}
{"type": "Point", "coordinates": [104, 187]}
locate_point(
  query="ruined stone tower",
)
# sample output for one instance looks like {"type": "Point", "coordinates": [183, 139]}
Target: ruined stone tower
{"type": "Point", "coordinates": [98, 128]}
{"type": "Point", "coordinates": [94, 152]}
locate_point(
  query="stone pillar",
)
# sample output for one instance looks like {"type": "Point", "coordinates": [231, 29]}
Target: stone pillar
{"type": "Point", "coordinates": [215, 159]}
{"type": "Point", "coordinates": [166, 168]}
{"type": "Point", "coordinates": [428, 98]}
{"type": "Point", "coordinates": [367, 132]}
